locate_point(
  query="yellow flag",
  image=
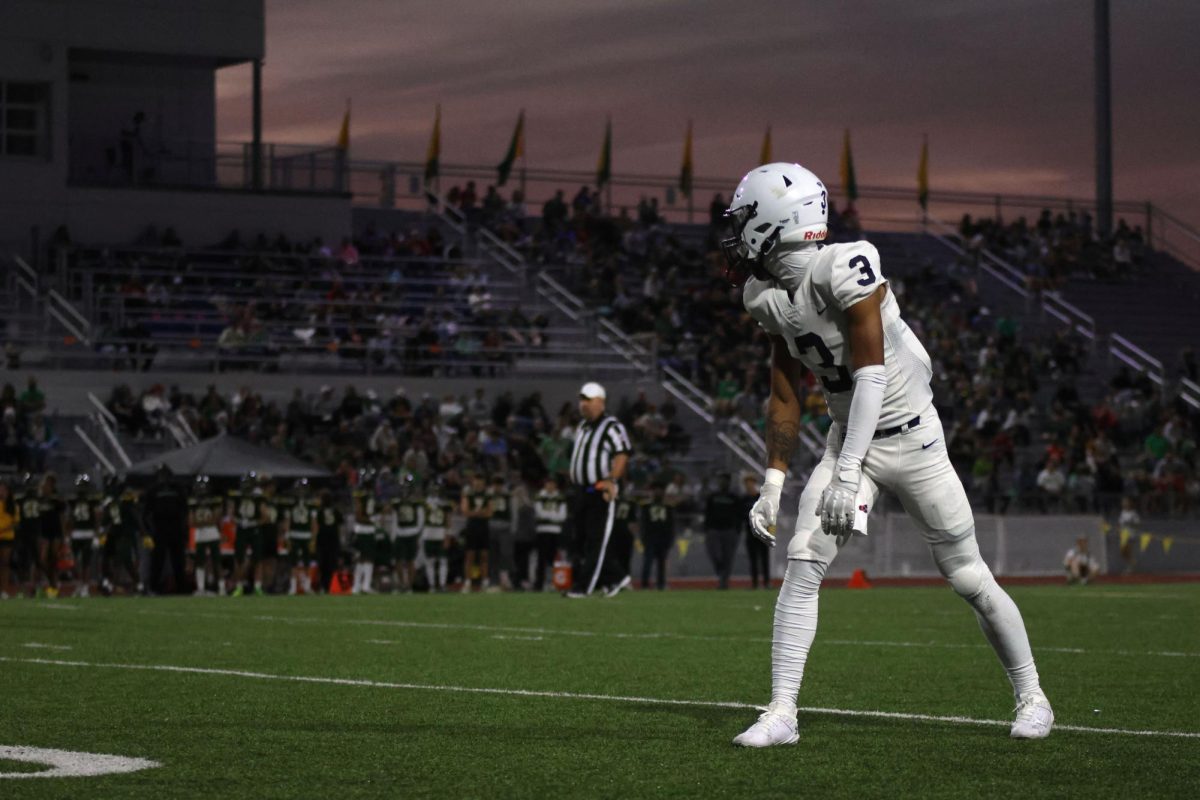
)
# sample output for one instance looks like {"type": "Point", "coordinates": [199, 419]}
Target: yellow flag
{"type": "Point", "coordinates": [343, 140]}
{"type": "Point", "coordinates": [685, 169]}
{"type": "Point", "coordinates": [849, 181]}
{"type": "Point", "coordinates": [1124, 538]}
{"type": "Point", "coordinates": [1144, 541]}
{"type": "Point", "coordinates": [683, 543]}
{"type": "Point", "coordinates": [764, 156]}
{"type": "Point", "coordinates": [1167, 542]}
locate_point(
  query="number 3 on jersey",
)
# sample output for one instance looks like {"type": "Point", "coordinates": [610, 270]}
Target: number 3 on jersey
{"type": "Point", "coordinates": [862, 265]}
{"type": "Point", "coordinates": [842, 382]}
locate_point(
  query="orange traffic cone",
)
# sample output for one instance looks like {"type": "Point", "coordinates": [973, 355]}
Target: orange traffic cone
{"type": "Point", "coordinates": [338, 585]}
{"type": "Point", "coordinates": [858, 580]}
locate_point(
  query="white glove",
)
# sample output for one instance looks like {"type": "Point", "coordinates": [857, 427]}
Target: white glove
{"type": "Point", "coordinates": [836, 508]}
{"type": "Point", "coordinates": [766, 508]}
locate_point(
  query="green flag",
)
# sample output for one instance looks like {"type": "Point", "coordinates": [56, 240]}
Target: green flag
{"type": "Point", "coordinates": [516, 149]}
{"type": "Point", "coordinates": [433, 155]}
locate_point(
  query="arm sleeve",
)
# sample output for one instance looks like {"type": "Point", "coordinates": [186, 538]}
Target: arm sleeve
{"type": "Point", "coordinates": [870, 383]}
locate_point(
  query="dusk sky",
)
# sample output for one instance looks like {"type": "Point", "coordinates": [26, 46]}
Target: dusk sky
{"type": "Point", "coordinates": [1003, 89]}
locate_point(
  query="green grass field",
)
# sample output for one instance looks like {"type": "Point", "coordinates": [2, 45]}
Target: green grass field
{"type": "Point", "coordinates": [340, 697]}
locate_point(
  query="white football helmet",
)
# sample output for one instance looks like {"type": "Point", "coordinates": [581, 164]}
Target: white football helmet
{"type": "Point", "coordinates": [774, 203]}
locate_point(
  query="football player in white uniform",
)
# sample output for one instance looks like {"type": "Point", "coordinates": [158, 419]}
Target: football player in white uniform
{"type": "Point", "coordinates": [830, 309]}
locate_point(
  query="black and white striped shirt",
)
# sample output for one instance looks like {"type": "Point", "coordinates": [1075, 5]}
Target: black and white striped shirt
{"type": "Point", "coordinates": [595, 445]}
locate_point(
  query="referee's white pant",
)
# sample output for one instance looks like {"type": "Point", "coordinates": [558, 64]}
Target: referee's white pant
{"type": "Point", "coordinates": [596, 562]}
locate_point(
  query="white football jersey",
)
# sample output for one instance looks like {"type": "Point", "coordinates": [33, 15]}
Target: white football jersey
{"type": "Point", "coordinates": [812, 321]}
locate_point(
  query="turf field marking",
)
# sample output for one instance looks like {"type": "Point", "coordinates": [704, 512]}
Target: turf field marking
{"type": "Point", "coordinates": [382, 641]}
{"type": "Point", "coordinates": [71, 764]}
{"type": "Point", "coordinates": [57, 607]}
{"type": "Point", "coordinates": [42, 646]}
{"type": "Point", "coordinates": [518, 638]}
{"type": "Point", "coordinates": [839, 712]}
{"type": "Point", "coordinates": [664, 635]}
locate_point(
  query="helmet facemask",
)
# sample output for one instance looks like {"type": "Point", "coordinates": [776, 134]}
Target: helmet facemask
{"type": "Point", "coordinates": [742, 260]}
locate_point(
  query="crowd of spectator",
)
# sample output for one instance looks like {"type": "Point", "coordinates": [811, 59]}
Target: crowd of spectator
{"type": "Point", "coordinates": [1057, 247]}
{"type": "Point", "coordinates": [431, 438]}
{"type": "Point", "coordinates": [1019, 433]}
{"type": "Point", "coordinates": [27, 434]}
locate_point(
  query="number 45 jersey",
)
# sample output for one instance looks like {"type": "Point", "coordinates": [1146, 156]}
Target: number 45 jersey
{"type": "Point", "coordinates": [812, 320]}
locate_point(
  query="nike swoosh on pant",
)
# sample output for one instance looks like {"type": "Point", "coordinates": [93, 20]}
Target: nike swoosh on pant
{"type": "Point", "coordinates": [931, 444]}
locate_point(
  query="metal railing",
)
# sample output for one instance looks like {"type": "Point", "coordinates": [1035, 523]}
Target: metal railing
{"type": "Point", "coordinates": [1053, 303]}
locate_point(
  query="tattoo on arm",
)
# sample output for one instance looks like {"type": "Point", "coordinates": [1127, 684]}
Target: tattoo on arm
{"type": "Point", "coordinates": [782, 435]}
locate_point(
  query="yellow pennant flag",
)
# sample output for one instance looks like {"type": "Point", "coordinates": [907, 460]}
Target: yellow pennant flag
{"type": "Point", "coordinates": [764, 156]}
{"type": "Point", "coordinates": [343, 140]}
{"type": "Point", "coordinates": [683, 543]}
{"type": "Point", "coordinates": [1144, 541]}
{"type": "Point", "coordinates": [1124, 538]}
{"type": "Point", "coordinates": [849, 181]}
{"type": "Point", "coordinates": [1167, 542]}
{"type": "Point", "coordinates": [685, 170]}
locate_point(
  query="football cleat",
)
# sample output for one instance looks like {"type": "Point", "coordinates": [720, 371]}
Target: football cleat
{"type": "Point", "coordinates": [617, 587]}
{"type": "Point", "coordinates": [772, 728]}
{"type": "Point", "coordinates": [1034, 717]}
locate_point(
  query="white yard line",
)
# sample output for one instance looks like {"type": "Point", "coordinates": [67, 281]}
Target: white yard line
{"type": "Point", "coordinates": [843, 712]}
{"type": "Point", "coordinates": [518, 638]}
{"type": "Point", "coordinates": [662, 635]}
{"type": "Point", "coordinates": [43, 646]}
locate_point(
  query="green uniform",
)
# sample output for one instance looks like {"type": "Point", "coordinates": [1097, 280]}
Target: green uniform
{"type": "Point", "coordinates": [366, 532]}
{"type": "Point", "coordinates": [410, 519]}
{"type": "Point", "coordinates": [245, 510]}
{"type": "Point", "coordinates": [207, 511]}
{"type": "Point", "coordinates": [299, 535]}
{"type": "Point", "coordinates": [85, 513]}
{"type": "Point", "coordinates": [121, 527]}
{"type": "Point", "coordinates": [271, 512]}
{"type": "Point", "coordinates": [438, 512]}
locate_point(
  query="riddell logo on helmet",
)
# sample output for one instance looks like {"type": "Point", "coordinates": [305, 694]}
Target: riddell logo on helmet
{"type": "Point", "coordinates": [814, 235]}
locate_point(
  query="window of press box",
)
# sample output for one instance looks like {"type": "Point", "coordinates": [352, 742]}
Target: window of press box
{"type": "Point", "coordinates": [24, 119]}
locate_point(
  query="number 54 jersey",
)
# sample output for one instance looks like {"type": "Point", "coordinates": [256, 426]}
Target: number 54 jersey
{"type": "Point", "coordinates": [812, 320]}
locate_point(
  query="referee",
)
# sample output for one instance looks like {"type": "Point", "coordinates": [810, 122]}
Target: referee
{"type": "Point", "coordinates": [598, 463]}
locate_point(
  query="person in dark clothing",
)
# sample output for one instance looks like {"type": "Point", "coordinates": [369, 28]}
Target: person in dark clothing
{"type": "Point", "coordinates": [327, 529]}
{"type": "Point", "coordinates": [758, 550]}
{"type": "Point", "coordinates": [723, 520]}
{"type": "Point", "coordinates": [166, 511]}
{"type": "Point", "coordinates": [625, 521]}
{"type": "Point", "coordinates": [657, 529]}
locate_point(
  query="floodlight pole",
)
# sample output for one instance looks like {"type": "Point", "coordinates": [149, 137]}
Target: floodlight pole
{"type": "Point", "coordinates": [1103, 122]}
